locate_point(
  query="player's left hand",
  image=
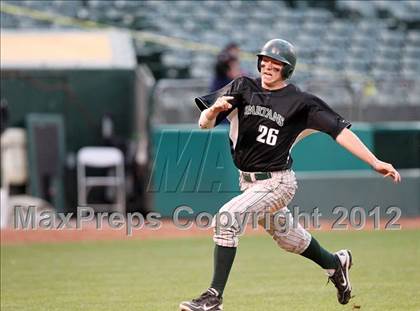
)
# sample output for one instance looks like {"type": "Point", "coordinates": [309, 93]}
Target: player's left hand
{"type": "Point", "coordinates": [387, 170]}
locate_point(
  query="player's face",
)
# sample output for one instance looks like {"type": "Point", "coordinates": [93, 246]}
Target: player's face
{"type": "Point", "coordinates": [271, 73]}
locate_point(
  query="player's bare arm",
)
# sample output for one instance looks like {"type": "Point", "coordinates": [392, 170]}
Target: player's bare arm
{"type": "Point", "coordinates": [209, 115]}
{"type": "Point", "coordinates": [352, 143]}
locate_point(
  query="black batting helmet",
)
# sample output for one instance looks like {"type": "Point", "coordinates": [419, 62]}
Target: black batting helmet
{"type": "Point", "coordinates": [282, 51]}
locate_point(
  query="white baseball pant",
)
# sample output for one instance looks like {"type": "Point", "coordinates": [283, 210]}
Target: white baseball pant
{"type": "Point", "coordinates": [267, 201]}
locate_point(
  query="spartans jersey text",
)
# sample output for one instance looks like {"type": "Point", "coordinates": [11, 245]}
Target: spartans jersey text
{"type": "Point", "coordinates": [264, 112]}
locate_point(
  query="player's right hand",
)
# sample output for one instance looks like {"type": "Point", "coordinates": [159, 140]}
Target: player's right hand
{"type": "Point", "coordinates": [222, 104]}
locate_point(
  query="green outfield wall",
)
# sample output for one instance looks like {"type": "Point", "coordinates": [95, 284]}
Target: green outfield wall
{"type": "Point", "coordinates": [193, 167]}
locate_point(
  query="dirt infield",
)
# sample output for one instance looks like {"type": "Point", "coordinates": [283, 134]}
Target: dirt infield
{"type": "Point", "coordinates": [167, 230]}
{"type": "Point", "coordinates": [89, 232]}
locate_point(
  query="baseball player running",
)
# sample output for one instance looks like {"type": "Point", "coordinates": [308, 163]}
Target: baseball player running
{"type": "Point", "coordinates": [267, 117]}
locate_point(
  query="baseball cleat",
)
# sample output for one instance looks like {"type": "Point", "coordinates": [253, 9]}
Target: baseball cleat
{"type": "Point", "coordinates": [208, 301]}
{"type": "Point", "coordinates": [340, 278]}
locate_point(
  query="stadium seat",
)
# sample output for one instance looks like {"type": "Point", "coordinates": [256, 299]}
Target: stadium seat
{"type": "Point", "coordinates": [354, 36]}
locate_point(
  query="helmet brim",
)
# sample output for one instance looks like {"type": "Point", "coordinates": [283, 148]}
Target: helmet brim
{"type": "Point", "coordinates": [277, 58]}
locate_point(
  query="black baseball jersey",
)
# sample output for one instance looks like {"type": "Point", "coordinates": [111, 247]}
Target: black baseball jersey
{"type": "Point", "coordinates": [265, 123]}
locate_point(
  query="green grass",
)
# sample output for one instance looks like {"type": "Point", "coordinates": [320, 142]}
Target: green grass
{"type": "Point", "coordinates": [156, 275]}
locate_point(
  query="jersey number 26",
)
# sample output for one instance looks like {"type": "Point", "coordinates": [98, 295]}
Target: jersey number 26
{"type": "Point", "coordinates": [268, 135]}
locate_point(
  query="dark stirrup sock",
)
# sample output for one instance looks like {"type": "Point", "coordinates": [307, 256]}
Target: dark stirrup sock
{"type": "Point", "coordinates": [320, 255]}
{"type": "Point", "coordinates": [223, 260]}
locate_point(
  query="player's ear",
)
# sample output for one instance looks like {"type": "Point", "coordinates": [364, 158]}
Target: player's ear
{"type": "Point", "coordinates": [286, 71]}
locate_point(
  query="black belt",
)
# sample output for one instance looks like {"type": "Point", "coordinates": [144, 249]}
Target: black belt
{"type": "Point", "coordinates": [257, 176]}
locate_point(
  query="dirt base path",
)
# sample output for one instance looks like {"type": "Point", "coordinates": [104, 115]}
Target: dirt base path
{"type": "Point", "coordinates": [167, 230]}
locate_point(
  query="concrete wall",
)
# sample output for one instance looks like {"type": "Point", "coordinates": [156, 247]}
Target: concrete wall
{"type": "Point", "coordinates": [365, 189]}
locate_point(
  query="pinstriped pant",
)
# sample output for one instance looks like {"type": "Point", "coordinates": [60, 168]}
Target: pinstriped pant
{"type": "Point", "coordinates": [267, 201]}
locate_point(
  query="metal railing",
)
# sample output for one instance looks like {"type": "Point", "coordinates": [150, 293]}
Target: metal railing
{"type": "Point", "coordinates": [173, 99]}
